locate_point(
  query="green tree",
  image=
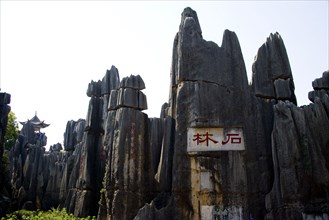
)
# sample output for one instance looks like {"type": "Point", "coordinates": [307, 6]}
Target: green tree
{"type": "Point", "coordinates": [11, 132]}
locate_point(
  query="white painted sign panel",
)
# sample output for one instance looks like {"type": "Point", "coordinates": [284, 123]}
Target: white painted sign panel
{"type": "Point", "coordinates": [215, 139]}
{"type": "Point", "coordinates": [221, 213]}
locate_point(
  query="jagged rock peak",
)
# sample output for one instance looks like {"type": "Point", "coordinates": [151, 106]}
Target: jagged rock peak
{"type": "Point", "coordinates": [56, 147]}
{"type": "Point", "coordinates": [323, 82]}
{"type": "Point", "coordinates": [129, 94]}
{"type": "Point", "coordinates": [320, 86]}
{"type": "Point", "coordinates": [188, 14]}
{"type": "Point", "coordinates": [73, 133]}
{"type": "Point", "coordinates": [110, 81]}
{"type": "Point", "coordinates": [231, 43]}
{"type": "Point", "coordinates": [94, 88]}
{"type": "Point", "coordinates": [133, 82]}
{"type": "Point", "coordinates": [276, 53]}
{"type": "Point", "coordinates": [4, 98]}
{"type": "Point", "coordinates": [272, 77]}
{"type": "Point", "coordinates": [164, 110]}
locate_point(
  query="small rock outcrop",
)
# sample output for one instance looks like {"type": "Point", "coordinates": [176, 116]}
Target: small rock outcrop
{"type": "Point", "coordinates": [129, 94]}
{"type": "Point", "coordinates": [320, 86]}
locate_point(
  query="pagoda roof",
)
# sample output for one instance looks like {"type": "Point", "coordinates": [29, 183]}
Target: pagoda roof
{"type": "Point", "coordinates": [36, 122]}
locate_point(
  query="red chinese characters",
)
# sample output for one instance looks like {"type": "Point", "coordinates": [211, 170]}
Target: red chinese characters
{"type": "Point", "coordinates": [234, 138]}
{"type": "Point", "coordinates": [198, 138]}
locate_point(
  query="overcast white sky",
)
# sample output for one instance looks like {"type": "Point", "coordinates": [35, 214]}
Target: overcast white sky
{"type": "Point", "coordinates": [51, 50]}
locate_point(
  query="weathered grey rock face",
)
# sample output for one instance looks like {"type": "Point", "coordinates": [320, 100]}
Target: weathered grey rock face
{"type": "Point", "coordinates": [129, 183]}
{"type": "Point", "coordinates": [133, 82]}
{"type": "Point", "coordinates": [110, 81]}
{"type": "Point", "coordinates": [120, 164]}
{"type": "Point", "coordinates": [94, 89]}
{"type": "Point", "coordinates": [300, 141]}
{"type": "Point", "coordinates": [4, 111]}
{"type": "Point", "coordinates": [271, 70]}
{"type": "Point", "coordinates": [71, 179]}
{"type": "Point", "coordinates": [320, 86]}
{"type": "Point", "coordinates": [4, 176]}
{"type": "Point", "coordinates": [56, 147]}
{"type": "Point", "coordinates": [132, 145]}
{"type": "Point", "coordinates": [69, 139]}
{"type": "Point", "coordinates": [84, 171]}
{"type": "Point", "coordinates": [129, 94]}
{"type": "Point", "coordinates": [31, 170]}
{"type": "Point", "coordinates": [209, 89]}
{"type": "Point", "coordinates": [322, 83]}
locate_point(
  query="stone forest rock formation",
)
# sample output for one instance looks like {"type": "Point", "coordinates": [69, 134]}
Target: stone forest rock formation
{"type": "Point", "coordinates": [121, 164]}
{"type": "Point", "coordinates": [5, 188]}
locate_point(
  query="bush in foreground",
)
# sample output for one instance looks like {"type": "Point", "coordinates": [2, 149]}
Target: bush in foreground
{"type": "Point", "coordinates": [53, 214]}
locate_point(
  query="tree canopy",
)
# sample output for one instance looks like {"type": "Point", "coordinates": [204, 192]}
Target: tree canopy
{"type": "Point", "coordinates": [11, 132]}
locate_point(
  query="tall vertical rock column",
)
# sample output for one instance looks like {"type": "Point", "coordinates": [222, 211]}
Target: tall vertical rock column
{"type": "Point", "coordinates": [73, 141]}
{"type": "Point", "coordinates": [4, 111]}
{"type": "Point", "coordinates": [209, 89]}
{"type": "Point", "coordinates": [127, 182]}
{"type": "Point", "coordinates": [272, 81]}
{"type": "Point", "coordinates": [89, 163]}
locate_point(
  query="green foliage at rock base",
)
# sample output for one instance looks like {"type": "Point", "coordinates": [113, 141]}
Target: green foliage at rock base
{"type": "Point", "coordinates": [53, 214]}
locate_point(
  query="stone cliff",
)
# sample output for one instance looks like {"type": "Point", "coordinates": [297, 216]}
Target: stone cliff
{"type": "Point", "coordinates": [5, 187]}
{"type": "Point", "coordinates": [121, 164]}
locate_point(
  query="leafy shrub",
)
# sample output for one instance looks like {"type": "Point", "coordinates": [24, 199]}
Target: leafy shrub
{"type": "Point", "coordinates": [53, 214]}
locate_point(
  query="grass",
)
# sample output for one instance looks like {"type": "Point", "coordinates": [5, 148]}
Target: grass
{"type": "Point", "coordinates": [53, 214]}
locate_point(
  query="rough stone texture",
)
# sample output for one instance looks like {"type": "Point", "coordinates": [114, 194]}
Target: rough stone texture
{"type": "Point", "coordinates": [205, 75]}
{"type": "Point", "coordinates": [133, 82]}
{"type": "Point", "coordinates": [71, 179]}
{"type": "Point", "coordinates": [84, 171]}
{"type": "Point", "coordinates": [155, 136]}
{"type": "Point", "coordinates": [94, 89]}
{"type": "Point", "coordinates": [132, 144]}
{"type": "Point", "coordinates": [271, 63]}
{"type": "Point", "coordinates": [4, 175]}
{"type": "Point", "coordinates": [300, 157]}
{"type": "Point", "coordinates": [282, 89]}
{"type": "Point", "coordinates": [132, 98]}
{"type": "Point", "coordinates": [120, 164]}
{"type": "Point", "coordinates": [29, 168]}
{"type": "Point", "coordinates": [129, 94]}
{"type": "Point", "coordinates": [321, 83]}
{"type": "Point", "coordinates": [4, 111]}
{"type": "Point", "coordinates": [110, 81]}
{"type": "Point", "coordinates": [209, 88]}
{"type": "Point", "coordinates": [320, 86]}
{"type": "Point", "coordinates": [54, 163]}
{"type": "Point", "coordinates": [129, 183]}
{"type": "Point", "coordinates": [56, 147]}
